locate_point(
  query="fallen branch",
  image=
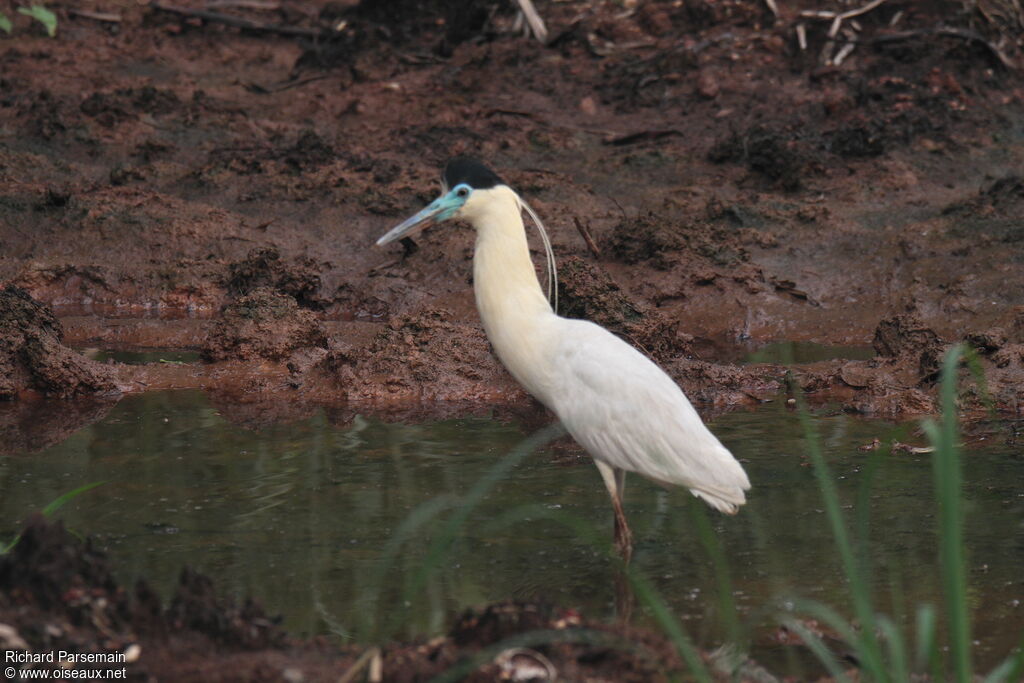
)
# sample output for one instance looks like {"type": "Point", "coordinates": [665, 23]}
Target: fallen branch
{"type": "Point", "coordinates": [641, 136]}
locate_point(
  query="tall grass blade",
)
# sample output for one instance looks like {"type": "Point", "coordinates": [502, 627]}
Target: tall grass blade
{"type": "Point", "coordinates": [948, 484]}
{"type": "Point", "coordinates": [52, 507]}
{"type": "Point", "coordinates": [708, 539]}
{"type": "Point", "coordinates": [62, 500]}
{"type": "Point", "coordinates": [927, 651]}
{"type": "Point", "coordinates": [441, 544]}
{"type": "Point", "coordinates": [868, 649]}
{"type": "Point", "coordinates": [898, 664]}
{"type": "Point", "coordinates": [650, 598]}
{"type": "Point", "coordinates": [829, 617]}
{"type": "Point", "coordinates": [644, 591]}
{"type": "Point", "coordinates": [816, 646]}
{"type": "Point", "coordinates": [1011, 668]}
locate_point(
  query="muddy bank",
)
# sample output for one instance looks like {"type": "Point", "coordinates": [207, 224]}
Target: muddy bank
{"type": "Point", "coordinates": [707, 181]}
{"type": "Point", "coordinates": [265, 345]}
{"type": "Point", "coordinates": [33, 358]}
{"type": "Point", "coordinates": [58, 593]}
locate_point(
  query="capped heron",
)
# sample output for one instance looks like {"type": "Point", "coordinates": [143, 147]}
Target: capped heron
{"type": "Point", "coordinates": [621, 407]}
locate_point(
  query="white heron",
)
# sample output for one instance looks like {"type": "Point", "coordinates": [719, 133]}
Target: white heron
{"type": "Point", "coordinates": [621, 407]}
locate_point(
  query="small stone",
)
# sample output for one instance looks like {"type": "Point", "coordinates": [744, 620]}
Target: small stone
{"type": "Point", "coordinates": [707, 85]}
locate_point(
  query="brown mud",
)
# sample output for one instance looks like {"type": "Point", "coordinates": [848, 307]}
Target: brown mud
{"type": "Point", "coordinates": [708, 183]}
{"type": "Point", "coordinates": [170, 179]}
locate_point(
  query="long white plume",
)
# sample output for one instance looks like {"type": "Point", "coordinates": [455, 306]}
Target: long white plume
{"type": "Point", "coordinates": [552, 268]}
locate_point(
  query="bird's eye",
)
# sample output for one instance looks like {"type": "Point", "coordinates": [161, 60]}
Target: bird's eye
{"type": "Point", "coordinates": [462, 191]}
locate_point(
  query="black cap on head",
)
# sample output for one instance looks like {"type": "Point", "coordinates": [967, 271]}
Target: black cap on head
{"type": "Point", "coordinates": [470, 171]}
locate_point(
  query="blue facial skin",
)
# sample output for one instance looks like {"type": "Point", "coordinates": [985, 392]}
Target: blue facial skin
{"type": "Point", "coordinates": [441, 209]}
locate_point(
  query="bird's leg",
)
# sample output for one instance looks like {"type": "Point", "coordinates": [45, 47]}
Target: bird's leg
{"type": "Point", "coordinates": [615, 482]}
{"type": "Point", "coordinates": [623, 535]}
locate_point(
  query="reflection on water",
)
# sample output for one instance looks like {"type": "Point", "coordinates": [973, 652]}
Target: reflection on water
{"type": "Point", "coordinates": [140, 357]}
{"type": "Point", "coordinates": [299, 515]}
{"type": "Point", "coordinates": [800, 353]}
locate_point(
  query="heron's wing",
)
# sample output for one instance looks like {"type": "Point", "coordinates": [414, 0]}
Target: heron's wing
{"type": "Point", "coordinates": [628, 413]}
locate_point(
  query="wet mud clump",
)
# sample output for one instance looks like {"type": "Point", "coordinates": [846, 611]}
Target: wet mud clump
{"type": "Point", "coordinates": [33, 358]}
{"type": "Point", "coordinates": [903, 379]}
{"type": "Point", "coordinates": [723, 386]}
{"type": "Point", "coordinates": [1001, 351]}
{"type": "Point", "coordinates": [993, 215]}
{"type": "Point", "coordinates": [424, 356]}
{"type": "Point", "coordinates": [587, 292]}
{"type": "Point", "coordinates": [264, 268]}
{"type": "Point", "coordinates": [644, 238]}
{"type": "Point", "coordinates": [573, 650]}
{"type": "Point", "coordinates": [905, 340]}
{"type": "Point", "coordinates": [900, 380]}
{"type": "Point", "coordinates": [769, 153]}
{"type": "Point", "coordinates": [264, 325]}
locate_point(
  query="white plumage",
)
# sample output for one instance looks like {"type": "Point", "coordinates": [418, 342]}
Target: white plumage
{"type": "Point", "coordinates": [629, 414]}
{"type": "Point", "coordinates": [621, 407]}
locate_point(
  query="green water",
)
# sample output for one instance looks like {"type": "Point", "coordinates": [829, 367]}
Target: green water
{"type": "Point", "coordinates": [800, 353]}
{"type": "Point", "coordinates": [299, 515]}
{"type": "Point", "coordinates": [138, 357]}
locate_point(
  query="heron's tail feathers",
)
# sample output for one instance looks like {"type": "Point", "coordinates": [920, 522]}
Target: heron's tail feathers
{"type": "Point", "coordinates": [723, 500]}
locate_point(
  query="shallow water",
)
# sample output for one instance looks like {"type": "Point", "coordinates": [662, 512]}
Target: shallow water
{"type": "Point", "coordinates": [300, 516]}
{"type": "Point", "coordinates": [137, 357]}
{"type": "Point", "coordinates": [800, 353]}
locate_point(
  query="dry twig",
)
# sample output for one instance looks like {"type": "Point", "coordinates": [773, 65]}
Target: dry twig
{"type": "Point", "coordinates": [109, 17]}
{"type": "Point", "coordinates": [585, 234]}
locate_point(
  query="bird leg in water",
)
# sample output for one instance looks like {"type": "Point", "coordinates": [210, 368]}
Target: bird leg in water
{"type": "Point", "coordinates": [615, 482]}
{"type": "Point", "coordinates": [623, 536]}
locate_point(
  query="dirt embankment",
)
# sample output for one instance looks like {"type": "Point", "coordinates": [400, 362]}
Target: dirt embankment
{"type": "Point", "coordinates": [708, 182]}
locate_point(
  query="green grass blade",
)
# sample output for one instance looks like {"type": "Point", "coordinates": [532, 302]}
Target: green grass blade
{"type": "Point", "coordinates": [441, 545]}
{"type": "Point", "coordinates": [644, 591]}
{"type": "Point", "coordinates": [862, 511]}
{"type": "Point", "coordinates": [926, 649]}
{"type": "Point", "coordinates": [708, 539]}
{"type": "Point", "coordinates": [898, 665]}
{"type": "Point", "coordinates": [413, 522]}
{"type": "Point", "coordinates": [52, 507]}
{"type": "Point", "coordinates": [1011, 668]}
{"type": "Point", "coordinates": [649, 596]}
{"type": "Point", "coordinates": [62, 500]}
{"type": "Point", "coordinates": [44, 16]}
{"type": "Point", "coordinates": [5, 24]}
{"type": "Point", "coordinates": [824, 655]}
{"type": "Point", "coordinates": [867, 645]}
{"type": "Point", "coordinates": [948, 485]}
{"type": "Point", "coordinates": [829, 617]}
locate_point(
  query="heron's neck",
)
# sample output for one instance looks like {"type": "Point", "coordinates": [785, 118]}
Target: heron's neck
{"type": "Point", "coordinates": [514, 310]}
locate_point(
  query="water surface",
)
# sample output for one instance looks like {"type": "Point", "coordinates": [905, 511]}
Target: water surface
{"type": "Point", "coordinates": [300, 515]}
